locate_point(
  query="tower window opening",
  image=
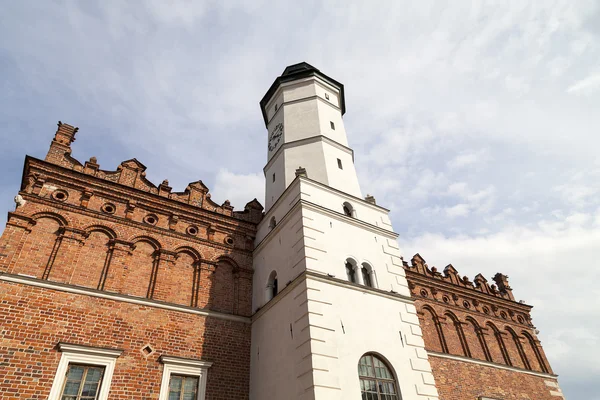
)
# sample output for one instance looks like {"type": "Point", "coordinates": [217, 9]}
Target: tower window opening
{"type": "Point", "coordinates": [326, 96]}
{"type": "Point", "coordinates": [348, 209]}
{"type": "Point", "coordinates": [272, 286]}
{"type": "Point", "coordinates": [340, 164]}
{"type": "Point", "coordinates": [332, 125]}
{"type": "Point", "coordinates": [366, 272]}
{"type": "Point", "coordinates": [350, 272]}
{"type": "Point", "coordinates": [272, 223]}
{"type": "Point", "coordinates": [273, 176]}
{"type": "Point", "coordinates": [275, 107]}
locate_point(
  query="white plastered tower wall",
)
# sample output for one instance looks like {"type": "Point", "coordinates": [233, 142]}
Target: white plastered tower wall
{"type": "Point", "coordinates": [308, 339]}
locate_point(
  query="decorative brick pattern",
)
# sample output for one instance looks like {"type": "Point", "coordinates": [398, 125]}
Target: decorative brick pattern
{"type": "Point", "coordinates": [477, 322]}
{"type": "Point", "coordinates": [116, 232]}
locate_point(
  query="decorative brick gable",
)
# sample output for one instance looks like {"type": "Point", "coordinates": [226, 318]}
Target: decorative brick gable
{"type": "Point", "coordinates": [480, 340]}
{"type": "Point", "coordinates": [108, 259]}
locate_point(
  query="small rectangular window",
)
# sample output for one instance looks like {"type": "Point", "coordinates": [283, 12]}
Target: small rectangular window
{"type": "Point", "coordinates": [332, 125]}
{"type": "Point", "coordinates": [183, 387]}
{"type": "Point", "coordinates": [340, 164]}
{"type": "Point", "coordinates": [273, 176]}
{"type": "Point", "coordinates": [275, 107]}
{"type": "Point", "coordinates": [82, 382]}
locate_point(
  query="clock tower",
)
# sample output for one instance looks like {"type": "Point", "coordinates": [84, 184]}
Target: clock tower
{"type": "Point", "coordinates": [303, 113]}
{"type": "Point", "coordinates": [333, 317]}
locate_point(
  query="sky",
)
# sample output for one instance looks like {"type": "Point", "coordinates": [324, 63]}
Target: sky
{"type": "Point", "coordinates": [476, 123]}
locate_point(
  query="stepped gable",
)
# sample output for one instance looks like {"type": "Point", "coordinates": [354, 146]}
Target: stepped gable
{"type": "Point", "coordinates": [132, 173]}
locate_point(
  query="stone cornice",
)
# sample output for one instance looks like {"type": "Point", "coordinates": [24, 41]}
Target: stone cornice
{"type": "Point", "coordinates": [333, 214]}
{"type": "Point", "coordinates": [305, 275]}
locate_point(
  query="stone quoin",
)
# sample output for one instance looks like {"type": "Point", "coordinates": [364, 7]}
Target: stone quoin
{"type": "Point", "coordinates": [113, 287]}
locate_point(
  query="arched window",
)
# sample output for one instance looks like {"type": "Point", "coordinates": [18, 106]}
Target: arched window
{"type": "Point", "coordinates": [271, 290]}
{"type": "Point", "coordinates": [367, 275]}
{"type": "Point", "coordinates": [351, 270]}
{"type": "Point", "coordinates": [376, 379]}
{"type": "Point", "coordinates": [272, 223]}
{"type": "Point", "coordinates": [348, 209]}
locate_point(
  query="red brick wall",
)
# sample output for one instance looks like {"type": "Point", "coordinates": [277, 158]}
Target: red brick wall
{"type": "Point", "coordinates": [85, 227]}
{"type": "Point", "coordinates": [478, 322]}
{"type": "Point", "coordinates": [65, 246]}
{"type": "Point", "coordinates": [33, 320]}
{"type": "Point", "coordinates": [458, 380]}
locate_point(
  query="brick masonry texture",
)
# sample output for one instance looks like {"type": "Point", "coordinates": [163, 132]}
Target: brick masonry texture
{"type": "Point", "coordinates": [34, 320]}
{"type": "Point", "coordinates": [116, 232]}
{"type": "Point", "coordinates": [480, 322]}
{"type": "Point", "coordinates": [457, 380]}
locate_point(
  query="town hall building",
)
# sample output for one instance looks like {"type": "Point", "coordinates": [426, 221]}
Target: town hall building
{"type": "Point", "coordinates": [113, 287]}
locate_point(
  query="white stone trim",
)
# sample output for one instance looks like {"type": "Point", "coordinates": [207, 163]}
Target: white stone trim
{"type": "Point", "coordinates": [183, 366]}
{"type": "Point", "coordinates": [489, 364]}
{"type": "Point", "coordinates": [76, 354]}
{"type": "Point", "coordinates": [118, 297]}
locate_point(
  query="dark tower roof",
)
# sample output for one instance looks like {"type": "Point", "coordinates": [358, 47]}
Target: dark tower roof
{"type": "Point", "coordinates": [299, 71]}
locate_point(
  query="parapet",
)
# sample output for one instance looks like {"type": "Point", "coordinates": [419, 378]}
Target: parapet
{"type": "Point", "coordinates": [132, 173]}
{"type": "Point", "coordinates": [450, 275]}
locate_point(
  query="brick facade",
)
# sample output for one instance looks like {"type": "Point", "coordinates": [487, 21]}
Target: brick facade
{"type": "Point", "coordinates": [107, 259]}
{"type": "Point", "coordinates": [481, 342]}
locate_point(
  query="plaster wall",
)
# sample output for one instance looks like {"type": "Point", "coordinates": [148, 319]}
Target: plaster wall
{"type": "Point", "coordinates": [308, 340]}
{"type": "Point", "coordinates": [317, 236]}
{"type": "Point", "coordinates": [347, 322]}
{"type": "Point", "coordinates": [275, 360]}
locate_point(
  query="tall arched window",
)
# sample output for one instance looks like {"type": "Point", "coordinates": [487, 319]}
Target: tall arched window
{"type": "Point", "coordinates": [367, 275]}
{"type": "Point", "coordinates": [351, 271]}
{"type": "Point", "coordinates": [271, 290]}
{"type": "Point", "coordinates": [348, 209]}
{"type": "Point", "coordinates": [376, 379]}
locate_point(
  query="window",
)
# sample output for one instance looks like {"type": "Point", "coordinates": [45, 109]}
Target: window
{"type": "Point", "coordinates": [376, 379]}
{"type": "Point", "coordinates": [366, 275]}
{"type": "Point", "coordinates": [272, 286]}
{"type": "Point", "coordinates": [273, 176]}
{"type": "Point", "coordinates": [82, 382]}
{"type": "Point", "coordinates": [340, 164]}
{"type": "Point", "coordinates": [83, 373]}
{"type": "Point", "coordinates": [326, 96]}
{"type": "Point", "coordinates": [272, 223]}
{"type": "Point", "coordinates": [332, 125]}
{"type": "Point", "coordinates": [350, 272]}
{"type": "Point", "coordinates": [183, 387]}
{"type": "Point", "coordinates": [183, 379]}
{"type": "Point", "coordinates": [348, 209]}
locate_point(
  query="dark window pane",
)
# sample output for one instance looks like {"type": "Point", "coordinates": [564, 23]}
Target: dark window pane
{"type": "Point", "coordinates": [376, 380]}
{"type": "Point", "coordinates": [82, 383]}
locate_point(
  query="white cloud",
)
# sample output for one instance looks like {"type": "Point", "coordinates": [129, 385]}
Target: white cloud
{"type": "Point", "coordinates": [459, 114]}
{"type": "Point", "coordinates": [586, 85]}
{"type": "Point", "coordinates": [459, 210]}
{"type": "Point", "coordinates": [239, 189]}
{"type": "Point", "coordinates": [553, 269]}
{"type": "Point", "coordinates": [470, 158]}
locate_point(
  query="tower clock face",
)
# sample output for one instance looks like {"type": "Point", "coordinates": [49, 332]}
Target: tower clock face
{"type": "Point", "coordinates": [275, 136]}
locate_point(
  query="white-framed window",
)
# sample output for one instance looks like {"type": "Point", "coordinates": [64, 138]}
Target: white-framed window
{"type": "Point", "coordinates": [183, 378]}
{"type": "Point", "coordinates": [83, 373]}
